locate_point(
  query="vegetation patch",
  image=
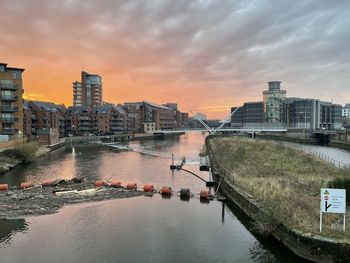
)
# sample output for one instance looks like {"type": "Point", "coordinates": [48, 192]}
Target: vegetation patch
{"type": "Point", "coordinates": [286, 181]}
{"type": "Point", "coordinates": [23, 153]}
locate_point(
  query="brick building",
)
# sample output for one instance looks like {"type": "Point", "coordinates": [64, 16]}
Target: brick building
{"type": "Point", "coordinates": [45, 116]}
{"type": "Point", "coordinates": [109, 119]}
{"type": "Point", "coordinates": [11, 106]}
{"type": "Point", "coordinates": [163, 117]}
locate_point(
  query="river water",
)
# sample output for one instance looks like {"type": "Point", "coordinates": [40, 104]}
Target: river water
{"type": "Point", "coordinates": [140, 229]}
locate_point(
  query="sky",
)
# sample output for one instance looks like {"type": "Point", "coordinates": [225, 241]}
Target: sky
{"type": "Point", "coordinates": [205, 55]}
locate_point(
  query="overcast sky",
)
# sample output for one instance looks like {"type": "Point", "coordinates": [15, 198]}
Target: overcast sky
{"type": "Point", "coordinates": [205, 55]}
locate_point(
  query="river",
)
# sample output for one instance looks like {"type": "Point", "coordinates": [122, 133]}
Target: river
{"type": "Point", "coordinates": [140, 229]}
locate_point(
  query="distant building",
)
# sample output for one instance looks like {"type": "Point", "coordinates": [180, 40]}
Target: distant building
{"type": "Point", "coordinates": [274, 103]}
{"type": "Point", "coordinates": [40, 115]}
{"type": "Point", "coordinates": [184, 119]}
{"type": "Point", "coordinates": [77, 94]}
{"type": "Point", "coordinates": [28, 131]}
{"type": "Point", "coordinates": [163, 117]}
{"type": "Point", "coordinates": [251, 114]}
{"type": "Point", "coordinates": [78, 120]}
{"type": "Point", "coordinates": [313, 114]}
{"type": "Point", "coordinates": [106, 119]}
{"type": "Point", "coordinates": [294, 113]}
{"type": "Point", "coordinates": [11, 109]}
{"type": "Point", "coordinates": [109, 119]}
{"type": "Point", "coordinates": [172, 106]}
{"type": "Point", "coordinates": [201, 116]}
{"type": "Point", "coordinates": [134, 117]}
{"type": "Point", "coordinates": [88, 92]}
{"type": "Point", "coordinates": [346, 110]}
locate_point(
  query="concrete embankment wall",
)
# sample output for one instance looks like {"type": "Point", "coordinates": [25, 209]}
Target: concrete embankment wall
{"type": "Point", "coordinates": [339, 144]}
{"type": "Point", "coordinates": [288, 139]}
{"type": "Point", "coordinates": [311, 247]}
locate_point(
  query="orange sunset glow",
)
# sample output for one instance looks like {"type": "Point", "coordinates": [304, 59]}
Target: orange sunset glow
{"type": "Point", "coordinates": [205, 55]}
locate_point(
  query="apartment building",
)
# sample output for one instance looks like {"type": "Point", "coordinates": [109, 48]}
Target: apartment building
{"type": "Point", "coordinates": [11, 106]}
{"type": "Point", "coordinates": [109, 119]}
{"type": "Point", "coordinates": [163, 117]}
{"type": "Point", "coordinates": [134, 117]}
{"type": "Point", "coordinates": [106, 119]}
{"type": "Point", "coordinates": [88, 92]}
{"type": "Point", "coordinates": [40, 115]}
{"type": "Point", "coordinates": [78, 120]}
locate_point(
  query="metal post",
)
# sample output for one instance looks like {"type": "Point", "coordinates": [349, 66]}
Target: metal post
{"type": "Point", "coordinates": [344, 220]}
{"type": "Point", "coordinates": [321, 213]}
{"type": "Point", "coordinates": [172, 159]}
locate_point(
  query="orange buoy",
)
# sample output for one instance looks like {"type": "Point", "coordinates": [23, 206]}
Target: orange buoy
{"type": "Point", "coordinates": [99, 183]}
{"type": "Point", "coordinates": [204, 194]}
{"type": "Point", "coordinates": [4, 187]}
{"type": "Point", "coordinates": [148, 188]}
{"type": "Point", "coordinates": [26, 185]}
{"type": "Point", "coordinates": [116, 184]}
{"type": "Point", "coordinates": [131, 186]}
{"type": "Point", "coordinates": [166, 190]}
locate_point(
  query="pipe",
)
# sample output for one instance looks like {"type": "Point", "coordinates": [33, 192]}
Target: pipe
{"type": "Point", "coordinates": [193, 174]}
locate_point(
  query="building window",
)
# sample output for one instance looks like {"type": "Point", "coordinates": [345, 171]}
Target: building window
{"type": "Point", "coordinates": [17, 75]}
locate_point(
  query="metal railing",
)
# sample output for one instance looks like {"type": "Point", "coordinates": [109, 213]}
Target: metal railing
{"type": "Point", "coordinates": [9, 109]}
{"type": "Point", "coordinates": [9, 120]}
{"type": "Point", "coordinates": [332, 161]}
{"type": "Point", "coordinates": [9, 130]}
{"type": "Point", "coordinates": [9, 97]}
{"type": "Point", "coordinates": [9, 86]}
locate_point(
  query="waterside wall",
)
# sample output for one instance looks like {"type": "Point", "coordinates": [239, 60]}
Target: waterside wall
{"type": "Point", "coordinates": [310, 247]}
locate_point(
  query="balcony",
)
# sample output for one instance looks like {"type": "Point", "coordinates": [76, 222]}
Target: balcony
{"type": "Point", "coordinates": [9, 120]}
{"type": "Point", "coordinates": [9, 109]}
{"type": "Point", "coordinates": [9, 97]}
{"type": "Point", "coordinates": [8, 131]}
{"type": "Point", "coordinates": [9, 86]}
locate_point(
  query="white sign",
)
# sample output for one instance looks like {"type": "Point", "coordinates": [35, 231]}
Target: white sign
{"type": "Point", "coordinates": [333, 200]}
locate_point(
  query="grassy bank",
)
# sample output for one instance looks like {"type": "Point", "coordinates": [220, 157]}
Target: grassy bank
{"type": "Point", "coordinates": [21, 154]}
{"type": "Point", "coordinates": [285, 181]}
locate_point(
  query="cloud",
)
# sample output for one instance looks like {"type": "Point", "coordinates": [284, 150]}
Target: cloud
{"type": "Point", "coordinates": [198, 52]}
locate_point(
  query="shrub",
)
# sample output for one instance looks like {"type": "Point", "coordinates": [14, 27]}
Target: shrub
{"type": "Point", "coordinates": [25, 152]}
{"type": "Point", "coordinates": [341, 183]}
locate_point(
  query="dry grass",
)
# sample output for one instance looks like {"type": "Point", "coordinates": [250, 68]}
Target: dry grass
{"type": "Point", "coordinates": [285, 180]}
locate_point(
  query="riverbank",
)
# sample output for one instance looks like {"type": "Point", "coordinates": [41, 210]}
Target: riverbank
{"type": "Point", "coordinates": [27, 153]}
{"type": "Point", "coordinates": [333, 142]}
{"type": "Point", "coordinates": [278, 187]}
{"type": "Point", "coordinates": [39, 200]}
{"type": "Point", "coordinates": [21, 154]}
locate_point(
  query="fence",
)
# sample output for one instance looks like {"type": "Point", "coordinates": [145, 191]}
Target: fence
{"type": "Point", "coordinates": [328, 159]}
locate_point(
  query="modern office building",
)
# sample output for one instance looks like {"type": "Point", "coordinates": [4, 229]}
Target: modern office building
{"type": "Point", "coordinates": [251, 114]}
{"type": "Point", "coordinates": [294, 113]}
{"type": "Point", "coordinates": [313, 114]}
{"type": "Point", "coordinates": [346, 110]}
{"type": "Point", "coordinates": [88, 92]}
{"type": "Point", "coordinates": [274, 103]}
{"type": "Point", "coordinates": [11, 105]}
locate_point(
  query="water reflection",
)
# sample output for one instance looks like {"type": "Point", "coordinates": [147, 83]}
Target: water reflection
{"type": "Point", "coordinates": [143, 229]}
{"type": "Point", "coordinates": [9, 227]}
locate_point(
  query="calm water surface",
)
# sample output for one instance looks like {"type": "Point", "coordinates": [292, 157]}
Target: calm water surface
{"type": "Point", "coordinates": [142, 229]}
